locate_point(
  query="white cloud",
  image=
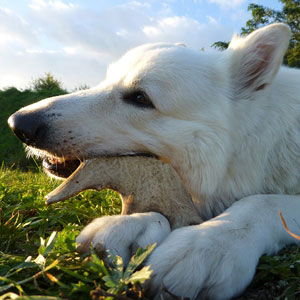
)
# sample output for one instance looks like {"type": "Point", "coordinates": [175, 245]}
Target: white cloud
{"type": "Point", "coordinates": [212, 20]}
{"type": "Point", "coordinates": [228, 3]}
{"type": "Point", "coordinates": [70, 50]}
{"type": "Point", "coordinates": [56, 4]}
{"type": "Point", "coordinates": [176, 29]}
{"type": "Point", "coordinates": [76, 43]}
{"type": "Point", "coordinates": [14, 29]}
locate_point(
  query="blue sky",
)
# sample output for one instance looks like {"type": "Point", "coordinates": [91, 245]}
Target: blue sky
{"type": "Point", "coordinates": [76, 40]}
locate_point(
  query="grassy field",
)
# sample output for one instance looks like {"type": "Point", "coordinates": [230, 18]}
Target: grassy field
{"type": "Point", "coordinates": [37, 250]}
{"type": "Point", "coordinates": [55, 269]}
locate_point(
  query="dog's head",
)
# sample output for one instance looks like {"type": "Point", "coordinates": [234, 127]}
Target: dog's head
{"type": "Point", "coordinates": [159, 99]}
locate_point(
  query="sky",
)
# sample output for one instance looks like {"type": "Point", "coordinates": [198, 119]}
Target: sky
{"type": "Point", "coordinates": [76, 40]}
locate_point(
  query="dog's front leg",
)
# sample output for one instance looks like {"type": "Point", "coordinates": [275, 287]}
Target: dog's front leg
{"type": "Point", "coordinates": [217, 259]}
{"type": "Point", "coordinates": [122, 235]}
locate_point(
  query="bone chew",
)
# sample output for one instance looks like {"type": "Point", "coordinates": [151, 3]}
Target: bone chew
{"type": "Point", "coordinates": [145, 184]}
{"type": "Point", "coordinates": [74, 184]}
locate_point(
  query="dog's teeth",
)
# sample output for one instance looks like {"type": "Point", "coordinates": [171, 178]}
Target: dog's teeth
{"type": "Point", "coordinates": [54, 160]}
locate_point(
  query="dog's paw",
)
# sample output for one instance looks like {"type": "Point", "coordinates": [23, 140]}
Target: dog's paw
{"type": "Point", "coordinates": [122, 235]}
{"type": "Point", "coordinates": [199, 262]}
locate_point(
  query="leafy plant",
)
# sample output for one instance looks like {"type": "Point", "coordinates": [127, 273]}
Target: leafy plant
{"type": "Point", "coordinates": [118, 280]}
{"type": "Point", "coordinates": [122, 281]}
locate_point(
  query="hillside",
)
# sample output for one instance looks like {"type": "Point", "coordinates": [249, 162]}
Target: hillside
{"type": "Point", "coordinates": [11, 99]}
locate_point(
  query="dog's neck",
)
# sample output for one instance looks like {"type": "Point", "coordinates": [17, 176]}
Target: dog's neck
{"type": "Point", "coordinates": [265, 140]}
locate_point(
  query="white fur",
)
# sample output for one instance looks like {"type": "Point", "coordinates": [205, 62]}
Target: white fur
{"type": "Point", "coordinates": [122, 235]}
{"type": "Point", "coordinates": [217, 259]}
{"type": "Point", "coordinates": [229, 123]}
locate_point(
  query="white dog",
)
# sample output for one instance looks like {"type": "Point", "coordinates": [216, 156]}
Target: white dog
{"type": "Point", "coordinates": [229, 124]}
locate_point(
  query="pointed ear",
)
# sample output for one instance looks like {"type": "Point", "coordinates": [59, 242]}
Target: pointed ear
{"type": "Point", "coordinates": [255, 60]}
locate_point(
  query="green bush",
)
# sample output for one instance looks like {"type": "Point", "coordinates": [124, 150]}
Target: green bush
{"type": "Point", "coordinates": [11, 99]}
{"type": "Point", "coordinates": [47, 83]}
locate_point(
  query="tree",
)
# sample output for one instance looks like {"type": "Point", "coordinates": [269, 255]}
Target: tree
{"type": "Point", "coordinates": [47, 83]}
{"type": "Point", "coordinates": [221, 45]}
{"type": "Point", "coordinates": [261, 16]}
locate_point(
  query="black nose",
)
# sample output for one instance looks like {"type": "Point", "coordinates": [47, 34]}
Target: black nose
{"type": "Point", "coordinates": [28, 127]}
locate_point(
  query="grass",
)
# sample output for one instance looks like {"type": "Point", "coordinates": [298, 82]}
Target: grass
{"type": "Point", "coordinates": [33, 262]}
{"type": "Point", "coordinates": [37, 249]}
{"type": "Point", "coordinates": [27, 217]}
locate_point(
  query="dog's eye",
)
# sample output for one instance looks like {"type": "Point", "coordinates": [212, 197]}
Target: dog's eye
{"type": "Point", "coordinates": [138, 98]}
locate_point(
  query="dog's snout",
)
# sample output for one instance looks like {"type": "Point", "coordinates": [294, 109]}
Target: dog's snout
{"type": "Point", "coordinates": [28, 127]}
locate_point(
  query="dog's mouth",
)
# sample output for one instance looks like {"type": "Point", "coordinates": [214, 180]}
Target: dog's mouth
{"type": "Point", "coordinates": [64, 168]}
{"type": "Point", "coordinates": [59, 167]}
{"type": "Point", "coordinates": [77, 174]}
{"type": "Point", "coordinates": [71, 169]}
